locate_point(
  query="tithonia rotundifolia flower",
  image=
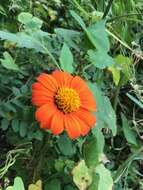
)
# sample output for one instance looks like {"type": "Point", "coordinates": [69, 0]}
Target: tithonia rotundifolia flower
{"type": "Point", "coordinates": [64, 102]}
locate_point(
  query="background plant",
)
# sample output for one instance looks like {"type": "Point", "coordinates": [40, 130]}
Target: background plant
{"type": "Point", "coordinates": [103, 43]}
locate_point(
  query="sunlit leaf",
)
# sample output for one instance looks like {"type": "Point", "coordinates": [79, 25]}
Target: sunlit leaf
{"type": "Point", "coordinates": [18, 184]}
{"type": "Point", "coordinates": [36, 186]}
{"type": "Point", "coordinates": [105, 179]}
{"type": "Point", "coordinates": [66, 59]}
{"type": "Point", "coordinates": [82, 176]}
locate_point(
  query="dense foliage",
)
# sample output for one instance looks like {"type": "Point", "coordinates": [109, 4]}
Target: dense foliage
{"type": "Point", "coordinates": [101, 41]}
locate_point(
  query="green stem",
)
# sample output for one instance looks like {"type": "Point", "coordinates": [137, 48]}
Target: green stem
{"type": "Point", "coordinates": [117, 95]}
{"type": "Point", "coordinates": [39, 166]}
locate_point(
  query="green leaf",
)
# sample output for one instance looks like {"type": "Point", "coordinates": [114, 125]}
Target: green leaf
{"type": "Point", "coordinates": [66, 59]}
{"type": "Point", "coordinates": [128, 132]}
{"type": "Point", "coordinates": [34, 40]}
{"type": "Point", "coordinates": [16, 91]}
{"type": "Point", "coordinates": [23, 128]}
{"type": "Point", "coordinates": [2, 11]}
{"type": "Point", "coordinates": [18, 184]}
{"type": "Point", "coordinates": [93, 148]}
{"type": "Point", "coordinates": [105, 180]}
{"type": "Point", "coordinates": [81, 175]}
{"type": "Point", "coordinates": [53, 185]}
{"type": "Point", "coordinates": [24, 17]}
{"type": "Point", "coordinates": [100, 59]}
{"type": "Point", "coordinates": [116, 74]}
{"type": "Point", "coordinates": [4, 124]}
{"type": "Point", "coordinates": [30, 21]}
{"type": "Point", "coordinates": [99, 36]}
{"type": "Point", "coordinates": [135, 100]}
{"type": "Point", "coordinates": [105, 114]}
{"type": "Point", "coordinates": [122, 65]}
{"type": "Point", "coordinates": [38, 135]}
{"type": "Point", "coordinates": [9, 188]}
{"type": "Point", "coordinates": [78, 19]}
{"type": "Point", "coordinates": [36, 186]}
{"type": "Point", "coordinates": [8, 62]}
{"type": "Point", "coordinates": [69, 36]}
{"type": "Point", "coordinates": [15, 125]}
{"type": "Point", "coordinates": [65, 146]}
{"type": "Point", "coordinates": [83, 26]}
{"type": "Point", "coordinates": [96, 33]}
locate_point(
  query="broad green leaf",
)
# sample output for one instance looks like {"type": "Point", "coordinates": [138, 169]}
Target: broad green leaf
{"type": "Point", "coordinates": [30, 21]}
{"type": "Point", "coordinates": [24, 17]}
{"type": "Point", "coordinates": [82, 176]}
{"type": "Point", "coordinates": [53, 185]}
{"type": "Point", "coordinates": [65, 146]}
{"type": "Point", "coordinates": [34, 40]}
{"type": "Point", "coordinates": [69, 36]}
{"type": "Point", "coordinates": [96, 33]}
{"type": "Point", "coordinates": [105, 178]}
{"type": "Point", "coordinates": [99, 36]}
{"type": "Point", "coordinates": [83, 26]}
{"type": "Point", "coordinates": [8, 62]}
{"type": "Point", "coordinates": [36, 186]}
{"type": "Point", "coordinates": [18, 184]}
{"type": "Point", "coordinates": [100, 59]}
{"type": "Point", "coordinates": [66, 59]}
{"type": "Point", "coordinates": [93, 148]}
{"type": "Point", "coordinates": [128, 132]}
{"type": "Point", "coordinates": [105, 114]}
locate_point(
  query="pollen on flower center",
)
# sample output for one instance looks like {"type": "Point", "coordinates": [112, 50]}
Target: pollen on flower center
{"type": "Point", "coordinates": [67, 99]}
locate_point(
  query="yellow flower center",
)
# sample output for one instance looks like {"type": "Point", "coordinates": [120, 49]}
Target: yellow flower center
{"type": "Point", "coordinates": [67, 100]}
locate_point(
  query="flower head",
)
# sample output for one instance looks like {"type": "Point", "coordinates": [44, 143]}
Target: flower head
{"type": "Point", "coordinates": [64, 102]}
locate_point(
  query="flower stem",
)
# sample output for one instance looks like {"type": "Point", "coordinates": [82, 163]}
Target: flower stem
{"type": "Point", "coordinates": [39, 165]}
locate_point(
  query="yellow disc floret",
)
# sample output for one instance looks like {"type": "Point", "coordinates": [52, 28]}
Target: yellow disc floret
{"type": "Point", "coordinates": [67, 99]}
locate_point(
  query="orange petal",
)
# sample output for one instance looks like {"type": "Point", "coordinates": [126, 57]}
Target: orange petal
{"type": "Point", "coordinates": [84, 128]}
{"type": "Point", "coordinates": [41, 95]}
{"type": "Point", "coordinates": [72, 126]}
{"type": "Point", "coordinates": [86, 117]}
{"type": "Point", "coordinates": [87, 100]}
{"type": "Point", "coordinates": [63, 78]}
{"type": "Point", "coordinates": [48, 82]}
{"type": "Point", "coordinates": [57, 123]}
{"type": "Point", "coordinates": [44, 114]}
{"type": "Point", "coordinates": [78, 84]}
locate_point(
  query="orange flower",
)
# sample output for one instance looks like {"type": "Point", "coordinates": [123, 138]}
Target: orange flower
{"type": "Point", "coordinates": [64, 103]}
